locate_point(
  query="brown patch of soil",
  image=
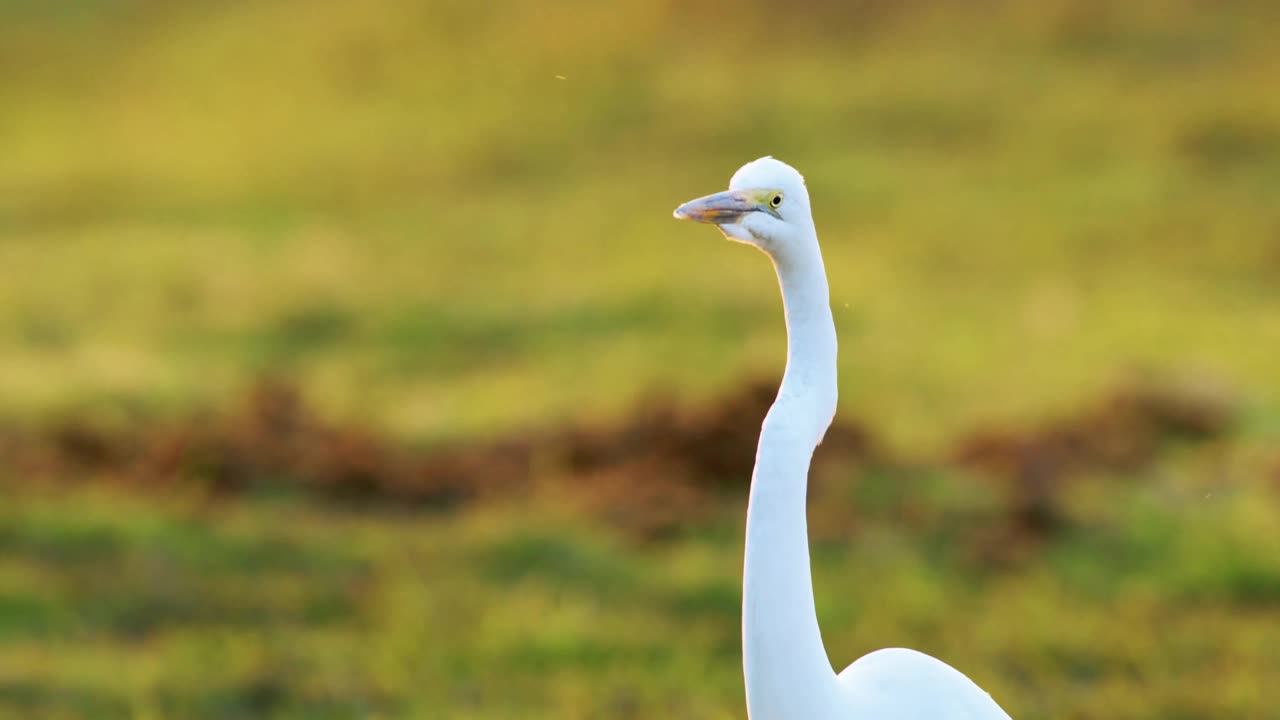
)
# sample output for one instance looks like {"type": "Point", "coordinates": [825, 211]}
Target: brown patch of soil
{"type": "Point", "coordinates": [1122, 432]}
{"type": "Point", "coordinates": [651, 472]}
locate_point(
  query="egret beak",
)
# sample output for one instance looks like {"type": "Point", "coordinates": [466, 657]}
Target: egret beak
{"type": "Point", "coordinates": [725, 208]}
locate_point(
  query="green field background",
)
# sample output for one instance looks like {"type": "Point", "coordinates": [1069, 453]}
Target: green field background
{"type": "Point", "coordinates": [449, 222]}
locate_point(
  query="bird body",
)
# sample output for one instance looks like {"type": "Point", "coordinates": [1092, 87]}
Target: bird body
{"type": "Point", "coordinates": [788, 674]}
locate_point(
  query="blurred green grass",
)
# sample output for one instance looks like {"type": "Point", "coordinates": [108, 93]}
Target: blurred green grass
{"type": "Point", "coordinates": [422, 211]}
{"type": "Point", "coordinates": [1159, 604]}
{"type": "Point", "coordinates": [406, 208]}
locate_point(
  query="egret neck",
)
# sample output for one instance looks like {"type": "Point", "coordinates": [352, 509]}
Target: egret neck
{"type": "Point", "coordinates": [788, 673]}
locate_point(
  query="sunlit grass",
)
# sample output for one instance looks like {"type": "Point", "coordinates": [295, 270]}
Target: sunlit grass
{"type": "Point", "coordinates": [450, 220]}
{"type": "Point", "coordinates": [409, 211]}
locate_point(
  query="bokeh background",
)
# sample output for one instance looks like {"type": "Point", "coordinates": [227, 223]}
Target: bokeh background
{"type": "Point", "coordinates": [351, 364]}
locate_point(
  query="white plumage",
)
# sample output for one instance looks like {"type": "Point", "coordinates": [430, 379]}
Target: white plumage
{"type": "Point", "coordinates": [788, 675]}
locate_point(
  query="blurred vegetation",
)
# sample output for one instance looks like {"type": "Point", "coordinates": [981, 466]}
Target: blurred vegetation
{"type": "Point", "coordinates": [404, 205]}
{"type": "Point", "coordinates": [1160, 603]}
{"type": "Point", "coordinates": [448, 221]}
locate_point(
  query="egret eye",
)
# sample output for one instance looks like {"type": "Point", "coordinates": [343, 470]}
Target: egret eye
{"type": "Point", "coordinates": [776, 200]}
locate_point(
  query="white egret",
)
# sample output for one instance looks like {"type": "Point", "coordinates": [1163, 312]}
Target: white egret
{"type": "Point", "coordinates": [787, 671]}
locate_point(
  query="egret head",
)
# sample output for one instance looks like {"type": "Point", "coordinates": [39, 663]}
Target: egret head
{"type": "Point", "coordinates": [766, 205]}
